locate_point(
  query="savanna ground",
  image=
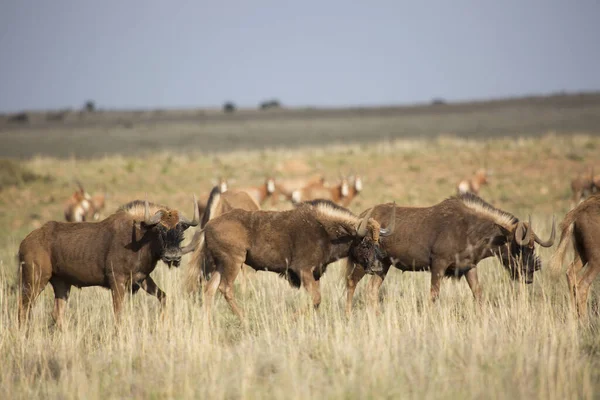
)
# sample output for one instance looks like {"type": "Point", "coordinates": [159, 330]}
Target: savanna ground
{"type": "Point", "coordinates": [524, 342]}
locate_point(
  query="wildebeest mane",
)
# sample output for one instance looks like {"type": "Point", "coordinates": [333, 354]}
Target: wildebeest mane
{"type": "Point", "coordinates": [482, 207]}
{"type": "Point", "coordinates": [136, 208]}
{"type": "Point", "coordinates": [332, 210]}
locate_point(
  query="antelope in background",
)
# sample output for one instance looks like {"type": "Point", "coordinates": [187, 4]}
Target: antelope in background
{"type": "Point", "coordinates": [473, 184]}
{"type": "Point", "coordinates": [81, 206]}
{"type": "Point", "coordinates": [321, 190]}
{"type": "Point", "coordinates": [263, 192]}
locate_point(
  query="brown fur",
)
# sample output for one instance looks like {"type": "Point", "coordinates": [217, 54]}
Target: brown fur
{"type": "Point", "coordinates": [473, 184]}
{"type": "Point", "coordinates": [203, 200]}
{"type": "Point", "coordinates": [287, 187]}
{"type": "Point", "coordinates": [581, 227]}
{"type": "Point", "coordinates": [320, 190]}
{"type": "Point", "coordinates": [118, 253]}
{"type": "Point", "coordinates": [353, 191]}
{"type": "Point", "coordinates": [264, 192]}
{"type": "Point", "coordinates": [448, 239]}
{"type": "Point", "coordinates": [297, 244]}
{"type": "Point", "coordinates": [584, 185]}
{"type": "Point", "coordinates": [83, 207]}
{"type": "Point", "coordinates": [218, 204]}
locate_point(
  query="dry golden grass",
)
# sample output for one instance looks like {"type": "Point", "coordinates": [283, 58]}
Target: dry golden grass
{"type": "Point", "coordinates": [523, 343]}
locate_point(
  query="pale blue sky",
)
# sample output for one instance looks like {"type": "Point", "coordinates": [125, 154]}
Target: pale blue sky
{"type": "Point", "coordinates": [150, 54]}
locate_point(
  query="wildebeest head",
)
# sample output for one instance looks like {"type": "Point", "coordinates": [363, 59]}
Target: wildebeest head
{"type": "Point", "coordinates": [169, 225]}
{"type": "Point", "coordinates": [518, 253]}
{"type": "Point", "coordinates": [365, 247]}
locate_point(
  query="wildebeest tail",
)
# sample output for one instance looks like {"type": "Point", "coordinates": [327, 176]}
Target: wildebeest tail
{"type": "Point", "coordinates": [566, 237]}
{"type": "Point", "coordinates": [195, 269]}
{"type": "Point", "coordinates": [213, 200]}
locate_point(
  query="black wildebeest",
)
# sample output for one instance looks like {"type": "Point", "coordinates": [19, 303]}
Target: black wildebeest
{"type": "Point", "coordinates": [450, 239]}
{"type": "Point", "coordinates": [218, 203]}
{"type": "Point", "coordinates": [297, 244]}
{"type": "Point", "coordinates": [581, 227]}
{"type": "Point", "coordinates": [118, 253]}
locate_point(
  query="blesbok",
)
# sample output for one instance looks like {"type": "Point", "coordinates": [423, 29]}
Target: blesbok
{"type": "Point", "coordinates": [320, 190]}
{"type": "Point", "coordinates": [473, 184]}
{"type": "Point", "coordinates": [218, 204]}
{"type": "Point", "coordinates": [119, 253]}
{"type": "Point", "coordinates": [263, 192]}
{"type": "Point", "coordinates": [581, 227]}
{"type": "Point", "coordinates": [450, 239]}
{"type": "Point", "coordinates": [288, 186]}
{"type": "Point", "coordinates": [78, 205]}
{"type": "Point", "coordinates": [584, 185]}
{"type": "Point", "coordinates": [297, 244]}
{"type": "Point", "coordinates": [355, 189]}
{"type": "Point", "coordinates": [83, 207]}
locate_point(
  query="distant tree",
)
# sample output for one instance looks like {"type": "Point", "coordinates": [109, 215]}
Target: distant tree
{"type": "Point", "coordinates": [273, 103]}
{"type": "Point", "coordinates": [438, 102]}
{"type": "Point", "coordinates": [89, 106]}
{"type": "Point", "coordinates": [21, 118]}
{"type": "Point", "coordinates": [229, 107]}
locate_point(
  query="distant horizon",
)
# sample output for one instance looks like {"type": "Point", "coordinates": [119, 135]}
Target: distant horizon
{"type": "Point", "coordinates": [284, 105]}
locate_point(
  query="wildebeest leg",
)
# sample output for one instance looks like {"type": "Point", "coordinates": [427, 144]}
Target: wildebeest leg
{"type": "Point", "coordinates": [473, 282]}
{"type": "Point", "coordinates": [226, 287]}
{"type": "Point", "coordinates": [209, 291]}
{"type": "Point", "coordinates": [152, 288]}
{"type": "Point", "coordinates": [355, 273]}
{"type": "Point", "coordinates": [311, 286]}
{"type": "Point", "coordinates": [61, 295]}
{"type": "Point", "coordinates": [438, 268]}
{"type": "Point", "coordinates": [583, 287]}
{"type": "Point", "coordinates": [33, 282]}
{"type": "Point", "coordinates": [117, 288]}
{"type": "Point", "coordinates": [374, 285]}
{"type": "Point", "coordinates": [574, 268]}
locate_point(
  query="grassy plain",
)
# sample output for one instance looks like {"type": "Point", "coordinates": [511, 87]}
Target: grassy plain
{"type": "Point", "coordinates": [523, 343]}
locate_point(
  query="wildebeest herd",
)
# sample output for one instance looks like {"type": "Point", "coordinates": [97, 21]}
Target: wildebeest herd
{"type": "Point", "coordinates": [448, 239]}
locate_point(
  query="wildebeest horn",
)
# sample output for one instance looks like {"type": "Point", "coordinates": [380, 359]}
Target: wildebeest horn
{"type": "Point", "coordinates": [154, 220]}
{"type": "Point", "coordinates": [196, 219]}
{"type": "Point", "coordinates": [550, 241]}
{"type": "Point", "coordinates": [193, 243]}
{"type": "Point", "coordinates": [391, 225]}
{"type": "Point", "coordinates": [521, 239]}
{"type": "Point", "coordinates": [361, 231]}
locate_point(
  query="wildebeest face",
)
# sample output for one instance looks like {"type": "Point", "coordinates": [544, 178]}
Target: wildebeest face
{"type": "Point", "coordinates": [169, 225]}
{"type": "Point", "coordinates": [366, 252]}
{"type": "Point", "coordinates": [170, 242]}
{"type": "Point", "coordinates": [520, 261]}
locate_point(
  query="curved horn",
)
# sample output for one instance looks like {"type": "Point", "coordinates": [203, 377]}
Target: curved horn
{"type": "Point", "coordinates": [520, 238]}
{"type": "Point", "coordinates": [193, 243]}
{"type": "Point", "coordinates": [550, 241]}
{"type": "Point", "coordinates": [361, 230]}
{"type": "Point", "coordinates": [147, 220]}
{"type": "Point", "coordinates": [391, 225]}
{"type": "Point", "coordinates": [196, 220]}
